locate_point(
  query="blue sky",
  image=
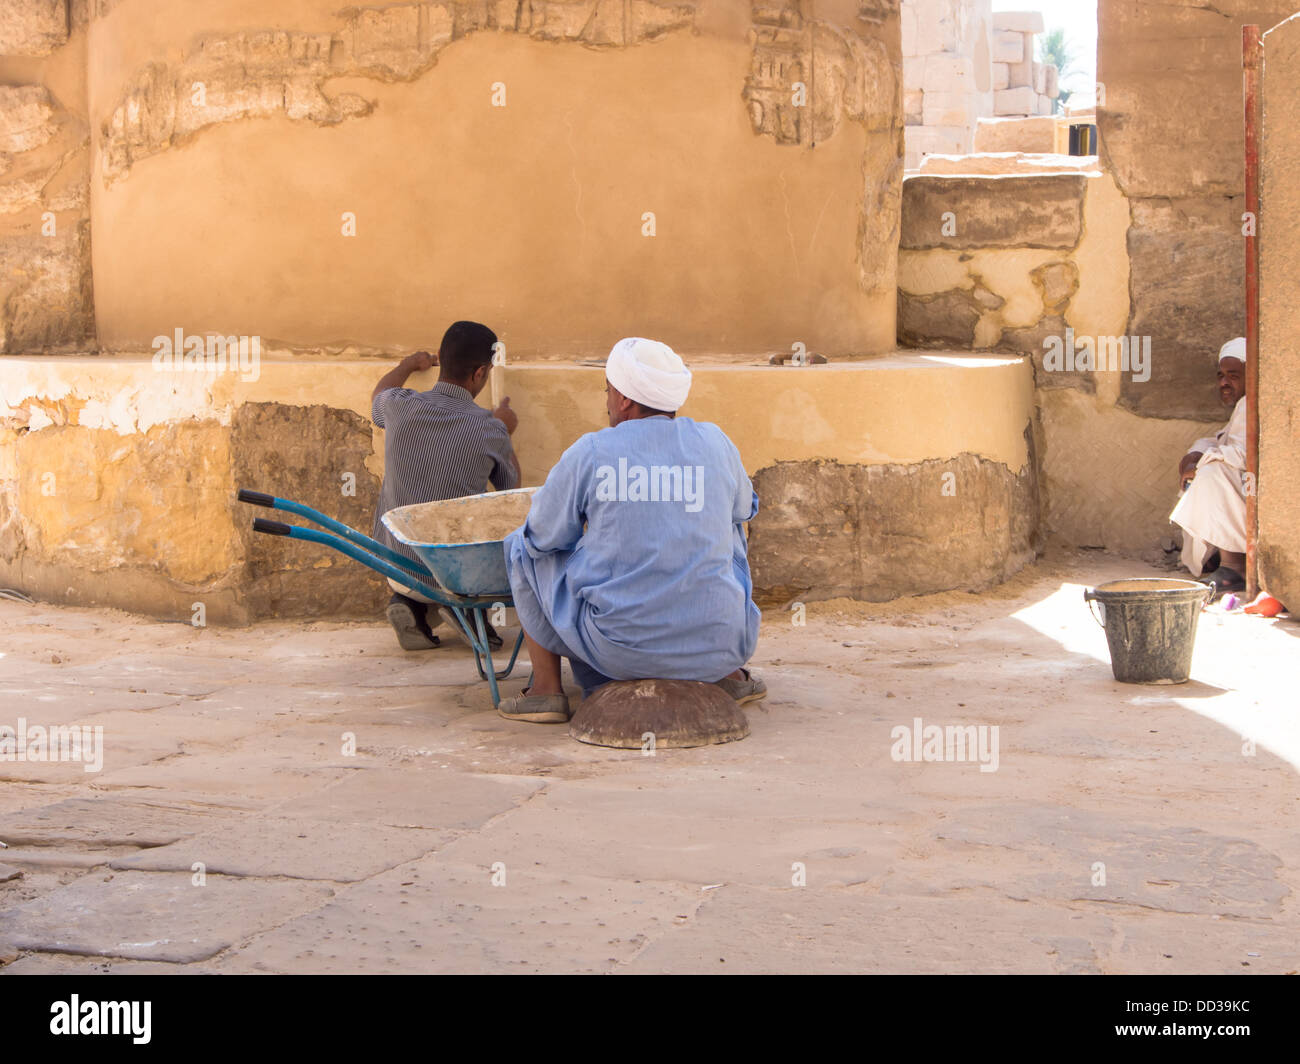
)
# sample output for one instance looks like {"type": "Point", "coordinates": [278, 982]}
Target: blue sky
{"type": "Point", "coordinates": [1079, 17]}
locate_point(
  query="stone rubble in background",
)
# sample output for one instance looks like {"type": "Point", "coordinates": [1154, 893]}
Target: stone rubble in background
{"type": "Point", "coordinates": [963, 63]}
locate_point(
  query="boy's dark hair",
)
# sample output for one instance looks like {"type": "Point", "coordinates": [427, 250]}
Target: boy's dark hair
{"type": "Point", "coordinates": [465, 346]}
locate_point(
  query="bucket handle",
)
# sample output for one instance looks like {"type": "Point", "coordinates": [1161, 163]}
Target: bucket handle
{"type": "Point", "coordinates": [1090, 597]}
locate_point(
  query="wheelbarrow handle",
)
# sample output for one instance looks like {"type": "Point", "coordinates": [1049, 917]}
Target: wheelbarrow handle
{"type": "Point", "coordinates": [372, 546]}
{"type": "Point", "coordinates": [271, 528]}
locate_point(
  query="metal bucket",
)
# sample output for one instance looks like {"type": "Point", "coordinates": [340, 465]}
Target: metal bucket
{"type": "Point", "coordinates": [1150, 627]}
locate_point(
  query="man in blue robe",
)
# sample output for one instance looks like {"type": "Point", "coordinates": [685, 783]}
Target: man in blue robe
{"type": "Point", "coordinates": [633, 562]}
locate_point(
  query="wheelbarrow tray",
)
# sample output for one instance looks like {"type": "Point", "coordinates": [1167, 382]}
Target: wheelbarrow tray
{"type": "Point", "coordinates": [462, 540]}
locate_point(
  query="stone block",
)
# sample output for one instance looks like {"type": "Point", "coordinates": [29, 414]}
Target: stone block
{"type": "Point", "coordinates": [1001, 77]}
{"type": "Point", "coordinates": [948, 109]}
{"type": "Point", "coordinates": [1034, 134]}
{"type": "Point", "coordinates": [1022, 73]}
{"type": "Point", "coordinates": [157, 916]}
{"type": "Point", "coordinates": [1190, 311]}
{"type": "Point", "coordinates": [1199, 73]}
{"type": "Point", "coordinates": [1008, 47]}
{"type": "Point", "coordinates": [1058, 282]}
{"type": "Point", "coordinates": [1039, 210]}
{"type": "Point", "coordinates": [1039, 78]}
{"type": "Point", "coordinates": [878, 529]}
{"type": "Point", "coordinates": [1045, 106]}
{"type": "Point", "coordinates": [1018, 101]}
{"type": "Point", "coordinates": [937, 29]}
{"type": "Point", "coordinates": [912, 107]}
{"type": "Point", "coordinates": [1018, 21]}
{"type": "Point", "coordinates": [994, 163]}
{"type": "Point", "coordinates": [940, 140]}
{"type": "Point", "coordinates": [907, 18]}
{"type": "Point", "coordinates": [297, 848]}
{"type": "Point", "coordinates": [1033, 342]}
{"type": "Point", "coordinates": [914, 72]}
{"type": "Point", "coordinates": [1052, 82]}
{"type": "Point", "coordinates": [33, 27]}
{"type": "Point", "coordinates": [948, 73]}
{"type": "Point", "coordinates": [944, 320]}
{"type": "Point", "coordinates": [277, 446]}
{"type": "Point", "coordinates": [25, 118]}
{"type": "Point", "coordinates": [45, 291]}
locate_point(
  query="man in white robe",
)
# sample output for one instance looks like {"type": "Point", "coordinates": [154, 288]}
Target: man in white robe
{"type": "Point", "coordinates": [1212, 510]}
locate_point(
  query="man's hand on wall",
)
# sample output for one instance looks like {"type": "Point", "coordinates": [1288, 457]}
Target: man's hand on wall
{"type": "Point", "coordinates": [396, 376]}
{"type": "Point", "coordinates": [506, 416]}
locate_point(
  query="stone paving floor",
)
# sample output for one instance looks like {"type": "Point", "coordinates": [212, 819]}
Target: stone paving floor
{"type": "Point", "coordinates": [230, 829]}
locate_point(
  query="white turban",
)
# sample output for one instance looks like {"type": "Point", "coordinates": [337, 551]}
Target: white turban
{"type": "Point", "coordinates": [1233, 349]}
{"type": "Point", "coordinates": [649, 373]}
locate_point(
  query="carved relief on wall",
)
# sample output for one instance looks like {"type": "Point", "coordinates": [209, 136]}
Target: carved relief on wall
{"type": "Point", "coordinates": [251, 75]}
{"type": "Point", "coordinates": [808, 75]}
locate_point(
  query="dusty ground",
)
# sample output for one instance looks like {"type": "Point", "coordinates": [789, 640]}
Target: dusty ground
{"type": "Point", "coordinates": [227, 748]}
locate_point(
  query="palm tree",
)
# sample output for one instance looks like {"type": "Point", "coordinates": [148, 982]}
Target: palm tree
{"type": "Point", "coordinates": [1057, 49]}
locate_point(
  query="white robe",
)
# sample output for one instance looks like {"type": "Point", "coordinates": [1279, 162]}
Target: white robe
{"type": "Point", "coordinates": [1212, 511]}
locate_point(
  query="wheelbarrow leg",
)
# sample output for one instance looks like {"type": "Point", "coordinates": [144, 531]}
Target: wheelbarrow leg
{"type": "Point", "coordinates": [490, 675]}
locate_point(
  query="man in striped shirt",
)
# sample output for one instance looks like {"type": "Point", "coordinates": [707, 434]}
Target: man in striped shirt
{"type": "Point", "coordinates": [439, 444]}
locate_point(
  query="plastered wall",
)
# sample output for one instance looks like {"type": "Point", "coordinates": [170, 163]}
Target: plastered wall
{"type": "Point", "coordinates": [565, 170]}
{"type": "Point", "coordinates": [117, 482]}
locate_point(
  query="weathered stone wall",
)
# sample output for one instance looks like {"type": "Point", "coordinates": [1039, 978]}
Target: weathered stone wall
{"type": "Point", "coordinates": [45, 280]}
{"type": "Point", "coordinates": [827, 530]}
{"type": "Point", "coordinates": [1027, 263]}
{"type": "Point", "coordinates": [947, 74]}
{"type": "Point", "coordinates": [564, 170]}
{"type": "Point", "coordinates": [117, 482]}
{"type": "Point", "coordinates": [1279, 324]}
{"type": "Point", "coordinates": [963, 63]}
{"type": "Point", "coordinates": [1022, 86]}
{"type": "Point", "coordinates": [1171, 134]}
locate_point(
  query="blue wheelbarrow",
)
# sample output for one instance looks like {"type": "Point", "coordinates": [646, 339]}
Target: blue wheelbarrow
{"type": "Point", "coordinates": [459, 542]}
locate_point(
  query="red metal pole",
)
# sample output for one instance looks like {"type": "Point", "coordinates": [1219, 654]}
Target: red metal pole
{"type": "Point", "coordinates": [1252, 53]}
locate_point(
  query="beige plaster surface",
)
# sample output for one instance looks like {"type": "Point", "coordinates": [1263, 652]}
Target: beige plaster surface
{"type": "Point", "coordinates": [227, 747]}
{"type": "Point", "coordinates": [119, 480]}
{"type": "Point", "coordinates": [1109, 477]}
{"type": "Point", "coordinates": [905, 407]}
{"type": "Point", "coordinates": [237, 228]}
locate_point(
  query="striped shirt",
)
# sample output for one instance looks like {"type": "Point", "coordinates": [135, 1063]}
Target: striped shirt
{"type": "Point", "coordinates": [438, 444]}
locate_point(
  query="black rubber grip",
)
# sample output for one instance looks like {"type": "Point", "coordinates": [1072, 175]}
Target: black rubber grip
{"type": "Point", "coordinates": [257, 498]}
{"type": "Point", "coordinates": [271, 528]}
